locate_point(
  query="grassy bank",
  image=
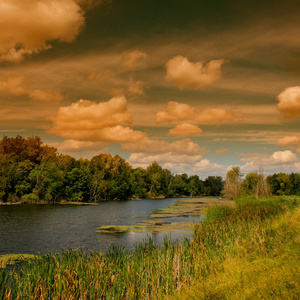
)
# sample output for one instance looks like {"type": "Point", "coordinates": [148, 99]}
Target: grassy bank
{"type": "Point", "coordinates": [248, 251]}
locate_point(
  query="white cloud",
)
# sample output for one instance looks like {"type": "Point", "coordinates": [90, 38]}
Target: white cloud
{"type": "Point", "coordinates": [78, 146]}
{"type": "Point", "coordinates": [206, 168]}
{"type": "Point", "coordinates": [187, 75]}
{"type": "Point", "coordinates": [29, 26]}
{"type": "Point", "coordinates": [277, 158]}
{"type": "Point", "coordinates": [178, 112]}
{"type": "Point", "coordinates": [289, 102]}
{"type": "Point", "coordinates": [90, 121]}
{"type": "Point", "coordinates": [148, 146]}
{"type": "Point", "coordinates": [168, 157]}
{"type": "Point", "coordinates": [289, 141]}
{"type": "Point", "coordinates": [185, 129]}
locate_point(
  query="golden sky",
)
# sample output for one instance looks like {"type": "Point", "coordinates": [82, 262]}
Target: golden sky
{"type": "Point", "coordinates": [198, 86]}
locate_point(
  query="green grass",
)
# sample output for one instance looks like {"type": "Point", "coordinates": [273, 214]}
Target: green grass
{"type": "Point", "coordinates": [249, 251]}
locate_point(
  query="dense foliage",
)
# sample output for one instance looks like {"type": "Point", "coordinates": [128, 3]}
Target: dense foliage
{"type": "Point", "coordinates": [31, 172]}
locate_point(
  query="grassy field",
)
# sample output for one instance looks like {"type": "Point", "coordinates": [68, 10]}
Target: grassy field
{"type": "Point", "coordinates": [246, 251]}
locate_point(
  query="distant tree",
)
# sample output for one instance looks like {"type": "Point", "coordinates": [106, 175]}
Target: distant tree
{"type": "Point", "coordinates": [213, 186]}
{"type": "Point", "coordinates": [232, 186]}
{"type": "Point", "coordinates": [295, 183]}
{"type": "Point", "coordinates": [178, 185]}
{"type": "Point", "coordinates": [109, 178]}
{"type": "Point", "coordinates": [154, 173]}
{"type": "Point", "coordinates": [138, 184]}
{"type": "Point", "coordinates": [195, 186]}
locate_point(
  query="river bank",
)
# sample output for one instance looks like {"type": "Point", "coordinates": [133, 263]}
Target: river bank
{"type": "Point", "coordinates": [231, 256]}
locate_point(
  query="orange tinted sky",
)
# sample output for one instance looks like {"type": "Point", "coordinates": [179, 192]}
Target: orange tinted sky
{"type": "Point", "coordinates": [198, 86]}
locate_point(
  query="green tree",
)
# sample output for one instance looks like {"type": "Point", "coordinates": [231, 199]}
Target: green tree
{"type": "Point", "coordinates": [138, 183]}
{"type": "Point", "coordinates": [213, 185]}
{"type": "Point", "coordinates": [195, 186]}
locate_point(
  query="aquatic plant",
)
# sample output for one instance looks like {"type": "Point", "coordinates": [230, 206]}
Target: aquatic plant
{"type": "Point", "coordinates": [227, 254]}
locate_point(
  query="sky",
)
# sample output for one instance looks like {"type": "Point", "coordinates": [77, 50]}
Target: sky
{"type": "Point", "coordinates": [197, 86]}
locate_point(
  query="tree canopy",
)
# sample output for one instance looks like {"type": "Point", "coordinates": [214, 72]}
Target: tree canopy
{"type": "Point", "coordinates": [32, 172]}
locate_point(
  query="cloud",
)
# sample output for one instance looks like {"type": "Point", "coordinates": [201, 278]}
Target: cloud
{"type": "Point", "coordinates": [206, 168]}
{"type": "Point", "coordinates": [187, 75]}
{"type": "Point", "coordinates": [222, 152]}
{"type": "Point", "coordinates": [289, 102]}
{"type": "Point", "coordinates": [130, 59]}
{"type": "Point", "coordinates": [141, 158]}
{"type": "Point", "coordinates": [176, 156]}
{"type": "Point", "coordinates": [31, 25]}
{"type": "Point", "coordinates": [148, 146]}
{"type": "Point", "coordinates": [277, 158]}
{"type": "Point", "coordinates": [136, 88]}
{"type": "Point", "coordinates": [17, 85]}
{"type": "Point", "coordinates": [177, 112]}
{"type": "Point", "coordinates": [292, 141]}
{"type": "Point", "coordinates": [185, 129]}
{"type": "Point", "coordinates": [78, 146]}
{"type": "Point", "coordinates": [289, 141]}
{"type": "Point", "coordinates": [90, 121]}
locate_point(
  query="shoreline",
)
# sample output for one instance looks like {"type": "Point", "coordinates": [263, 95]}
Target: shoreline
{"type": "Point", "coordinates": [64, 202]}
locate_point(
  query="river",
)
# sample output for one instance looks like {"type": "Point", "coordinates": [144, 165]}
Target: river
{"type": "Point", "coordinates": [43, 228]}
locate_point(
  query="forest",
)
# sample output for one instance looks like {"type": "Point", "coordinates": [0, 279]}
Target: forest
{"type": "Point", "coordinates": [33, 172]}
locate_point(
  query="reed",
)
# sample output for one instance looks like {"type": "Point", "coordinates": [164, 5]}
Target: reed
{"type": "Point", "coordinates": [231, 239]}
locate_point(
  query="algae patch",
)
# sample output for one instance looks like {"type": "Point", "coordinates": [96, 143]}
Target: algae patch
{"type": "Point", "coordinates": [12, 259]}
{"type": "Point", "coordinates": [182, 207]}
{"type": "Point", "coordinates": [188, 207]}
{"type": "Point", "coordinates": [147, 226]}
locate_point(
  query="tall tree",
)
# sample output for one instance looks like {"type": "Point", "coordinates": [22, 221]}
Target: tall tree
{"type": "Point", "coordinates": [232, 186]}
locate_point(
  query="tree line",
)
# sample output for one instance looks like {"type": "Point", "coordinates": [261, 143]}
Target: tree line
{"type": "Point", "coordinates": [31, 172]}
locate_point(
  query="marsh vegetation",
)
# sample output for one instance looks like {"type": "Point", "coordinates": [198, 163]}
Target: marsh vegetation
{"type": "Point", "coordinates": [244, 251]}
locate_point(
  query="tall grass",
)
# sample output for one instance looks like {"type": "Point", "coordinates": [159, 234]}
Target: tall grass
{"type": "Point", "coordinates": [232, 242]}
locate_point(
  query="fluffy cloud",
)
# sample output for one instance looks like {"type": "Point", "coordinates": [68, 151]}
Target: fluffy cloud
{"type": "Point", "coordinates": [222, 152]}
{"type": "Point", "coordinates": [89, 121]}
{"type": "Point", "coordinates": [206, 168]}
{"type": "Point", "coordinates": [18, 85]}
{"type": "Point", "coordinates": [148, 146]}
{"type": "Point", "coordinates": [177, 156]}
{"type": "Point", "coordinates": [289, 141]}
{"type": "Point", "coordinates": [28, 26]}
{"type": "Point", "coordinates": [292, 141]}
{"type": "Point", "coordinates": [78, 146]}
{"type": "Point", "coordinates": [177, 112]}
{"type": "Point", "coordinates": [185, 129]}
{"type": "Point", "coordinates": [129, 59]}
{"type": "Point", "coordinates": [277, 158]}
{"type": "Point", "coordinates": [140, 158]}
{"type": "Point", "coordinates": [289, 102]}
{"type": "Point", "coordinates": [187, 75]}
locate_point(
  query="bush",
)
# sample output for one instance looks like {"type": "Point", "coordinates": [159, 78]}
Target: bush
{"type": "Point", "coordinates": [30, 198]}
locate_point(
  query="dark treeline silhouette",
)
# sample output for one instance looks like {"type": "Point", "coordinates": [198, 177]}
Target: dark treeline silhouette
{"type": "Point", "coordinates": [31, 172]}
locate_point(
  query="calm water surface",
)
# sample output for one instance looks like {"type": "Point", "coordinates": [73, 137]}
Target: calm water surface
{"type": "Point", "coordinates": [43, 228]}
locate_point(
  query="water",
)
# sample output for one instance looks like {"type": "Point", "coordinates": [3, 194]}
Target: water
{"type": "Point", "coordinates": [42, 228]}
